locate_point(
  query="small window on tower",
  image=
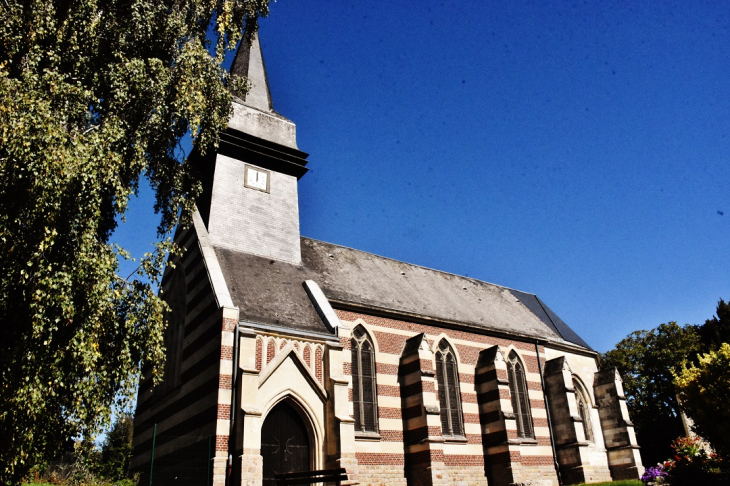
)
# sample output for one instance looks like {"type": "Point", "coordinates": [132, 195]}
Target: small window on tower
{"type": "Point", "coordinates": [255, 178]}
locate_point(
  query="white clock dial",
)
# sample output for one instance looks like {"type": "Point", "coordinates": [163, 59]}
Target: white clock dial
{"type": "Point", "coordinates": [257, 179]}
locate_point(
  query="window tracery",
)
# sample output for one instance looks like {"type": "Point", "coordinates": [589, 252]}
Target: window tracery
{"type": "Point", "coordinates": [520, 397]}
{"type": "Point", "coordinates": [447, 376]}
{"type": "Point", "coordinates": [584, 409]}
{"type": "Point", "coordinates": [364, 386]}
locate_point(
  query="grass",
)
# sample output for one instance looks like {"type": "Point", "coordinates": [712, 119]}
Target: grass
{"type": "Point", "coordinates": [627, 482]}
{"type": "Point", "coordinates": [631, 482]}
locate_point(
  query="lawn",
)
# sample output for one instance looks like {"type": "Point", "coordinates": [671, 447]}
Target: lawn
{"type": "Point", "coordinates": [634, 482]}
{"type": "Point", "coordinates": [628, 482]}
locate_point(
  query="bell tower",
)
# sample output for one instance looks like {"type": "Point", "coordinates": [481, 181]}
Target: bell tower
{"type": "Point", "coordinates": [250, 198]}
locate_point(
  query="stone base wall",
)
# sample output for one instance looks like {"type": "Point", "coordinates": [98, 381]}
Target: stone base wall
{"type": "Point", "coordinates": [349, 462]}
{"type": "Point", "coordinates": [439, 474]}
{"type": "Point", "coordinates": [386, 475]}
{"type": "Point", "coordinates": [625, 472]}
{"type": "Point", "coordinates": [585, 474]}
{"type": "Point", "coordinates": [534, 482]}
{"type": "Point", "coordinates": [583, 465]}
{"type": "Point", "coordinates": [219, 471]}
{"type": "Point", "coordinates": [534, 475]}
{"type": "Point", "coordinates": [466, 475]}
{"type": "Point", "coordinates": [252, 468]}
{"type": "Point", "coordinates": [594, 474]}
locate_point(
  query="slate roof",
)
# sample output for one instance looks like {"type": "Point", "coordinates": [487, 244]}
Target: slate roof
{"type": "Point", "coordinates": [271, 292]}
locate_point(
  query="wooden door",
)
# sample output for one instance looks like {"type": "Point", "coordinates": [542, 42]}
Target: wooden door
{"type": "Point", "coordinates": [284, 443]}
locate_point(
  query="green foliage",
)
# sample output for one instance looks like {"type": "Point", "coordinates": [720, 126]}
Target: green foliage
{"type": "Point", "coordinates": [704, 390]}
{"type": "Point", "coordinates": [71, 465]}
{"type": "Point", "coordinates": [716, 331]}
{"type": "Point", "coordinates": [649, 361]}
{"type": "Point", "coordinates": [117, 449]}
{"type": "Point", "coordinates": [646, 360]}
{"type": "Point", "coordinates": [85, 465]}
{"type": "Point", "coordinates": [94, 94]}
{"type": "Point", "coordinates": [691, 464]}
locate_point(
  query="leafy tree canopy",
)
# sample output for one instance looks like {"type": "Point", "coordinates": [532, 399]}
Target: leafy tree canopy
{"type": "Point", "coordinates": [716, 331]}
{"type": "Point", "coordinates": [645, 360]}
{"type": "Point", "coordinates": [705, 393]}
{"type": "Point", "coordinates": [116, 451]}
{"type": "Point", "coordinates": [648, 361]}
{"type": "Point", "coordinates": [94, 94]}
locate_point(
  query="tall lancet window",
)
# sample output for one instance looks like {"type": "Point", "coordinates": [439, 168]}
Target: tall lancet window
{"type": "Point", "coordinates": [364, 387]}
{"type": "Point", "coordinates": [520, 398]}
{"type": "Point", "coordinates": [447, 375]}
{"type": "Point", "coordinates": [584, 409]}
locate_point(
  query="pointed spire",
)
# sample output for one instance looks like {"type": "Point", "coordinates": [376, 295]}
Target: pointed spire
{"type": "Point", "coordinates": [249, 62]}
{"type": "Point", "coordinates": [255, 115]}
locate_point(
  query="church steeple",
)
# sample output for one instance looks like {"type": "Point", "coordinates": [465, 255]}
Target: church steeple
{"type": "Point", "coordinates": [249, 202]}
{"type": "Point", "coordinates": [255, 114]}
{"type": "Point", "coordinates": [249, 63]}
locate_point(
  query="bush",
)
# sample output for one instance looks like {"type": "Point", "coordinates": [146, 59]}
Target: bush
{"type": "Point", "coordinates": [83, 464]}
{"type": "Point", "coordinates": [704, 391]}
{"type": "Point", "coordinates": [692, 464]}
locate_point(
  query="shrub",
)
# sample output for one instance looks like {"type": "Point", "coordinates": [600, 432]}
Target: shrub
{"type": "Point", "coordinates": [704, 390]}
{"type": "Point", "coordinates": [692, 464]}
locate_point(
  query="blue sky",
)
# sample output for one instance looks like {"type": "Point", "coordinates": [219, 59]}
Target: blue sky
{"type": "Point", "coordinates": [576, 150]}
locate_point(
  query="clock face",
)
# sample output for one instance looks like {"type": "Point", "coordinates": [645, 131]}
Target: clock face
{"type": "Point", "coordinates": [257, 179]}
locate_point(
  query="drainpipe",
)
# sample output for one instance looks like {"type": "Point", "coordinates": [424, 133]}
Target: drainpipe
{"type": "Point", "coordinates": [547, 412]}
{"type": "Point", "coordinates": [234, 393]}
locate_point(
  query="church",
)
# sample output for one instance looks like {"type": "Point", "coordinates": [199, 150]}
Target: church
{"type": "Point", "coordinates": [285, 353]}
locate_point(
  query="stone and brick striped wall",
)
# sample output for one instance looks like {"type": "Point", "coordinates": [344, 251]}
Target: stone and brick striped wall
{"type": "Point", "coordinates": [458, 459]}
{"type": "Point", "coordinates": [192, 406]}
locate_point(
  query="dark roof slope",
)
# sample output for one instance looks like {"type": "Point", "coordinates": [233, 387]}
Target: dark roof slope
{"type": "Point", "coordinates": [356, 277]}
{"type": "Point", "coordinates": [268, 291]}
{"type": "Point", "coordinates": [546, 315]}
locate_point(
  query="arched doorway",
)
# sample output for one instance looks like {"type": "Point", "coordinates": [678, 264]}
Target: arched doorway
{"type": "Point", "coordinates": [284, 443]}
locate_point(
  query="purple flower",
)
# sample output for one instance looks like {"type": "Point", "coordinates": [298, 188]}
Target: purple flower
{"type": "Point", "coordinates": [652, 474]}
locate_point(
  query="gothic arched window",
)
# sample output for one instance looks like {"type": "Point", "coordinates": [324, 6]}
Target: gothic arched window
{"type": "Point", "coordinates": [584, 409]}
{"type": "Point", "coordinates": [364, 388]}
{"type": "Point", "coordinates": [520, 398]}
{"type": "Point", "coordinates": [447, 375]}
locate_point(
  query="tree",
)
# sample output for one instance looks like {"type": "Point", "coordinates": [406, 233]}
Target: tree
{"type": "Point", "coordinates": [117, 449]}
{"type": "Point", "coordinates": [94, 94]}
{"type": "Point", "coordinates": [646, 360]}
{"type": "Point", "coordinates": [704, 390]}
{"type": "Point", "coordinates": [716, 331]}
